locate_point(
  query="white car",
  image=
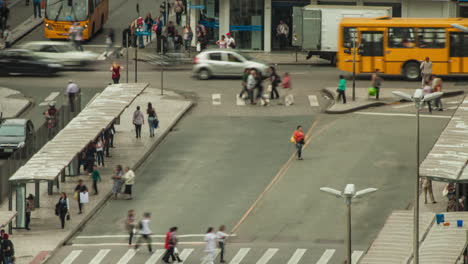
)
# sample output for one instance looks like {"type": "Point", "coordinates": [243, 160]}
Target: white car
{"type": "Point", "coordinates": [63, 52]}
{"type": "Point", "coordinates": [225, 62]}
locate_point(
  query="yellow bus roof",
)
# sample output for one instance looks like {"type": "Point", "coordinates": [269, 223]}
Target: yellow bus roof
{"type": "Point", "coordinates": [403, 22]}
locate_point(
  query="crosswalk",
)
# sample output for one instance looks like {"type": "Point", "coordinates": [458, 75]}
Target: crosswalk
{"type": "Point", "coordinates": [243, 255]}
{"type": "Point", "coordinates": [218, 99]}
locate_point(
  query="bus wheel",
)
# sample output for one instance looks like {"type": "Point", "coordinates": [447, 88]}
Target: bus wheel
{"type": "Point", "coordinates": [411, 71]}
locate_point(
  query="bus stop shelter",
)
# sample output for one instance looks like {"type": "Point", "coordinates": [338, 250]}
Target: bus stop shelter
{"type": "Point", "coordinates": [51, 161]}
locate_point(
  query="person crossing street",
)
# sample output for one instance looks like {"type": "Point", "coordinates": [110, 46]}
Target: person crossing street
{"type": "Point", "coordinates": [145, 231]}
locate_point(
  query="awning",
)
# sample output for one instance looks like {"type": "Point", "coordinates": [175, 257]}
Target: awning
{"type": "Point", "coordinates": [448, 158]}
{"type": "Point", "coordinates": [48, 162]}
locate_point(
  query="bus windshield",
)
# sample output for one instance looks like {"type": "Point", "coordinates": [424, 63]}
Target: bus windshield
{"type": "Point", "coordinates": [60, 10]}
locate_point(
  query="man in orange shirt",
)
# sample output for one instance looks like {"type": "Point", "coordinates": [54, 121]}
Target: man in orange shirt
{"type": "Point", "coordinates": [299, 139]}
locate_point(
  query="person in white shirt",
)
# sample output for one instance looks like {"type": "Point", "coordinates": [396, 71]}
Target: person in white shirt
{"type": "Point", "coordinates": [7, 37]}
{"type": "Point", "coordinates": [145, 231]}
{"type": "Point", "coordinates": [129, 180]}
{"type": "Point", "coordinates": [426, 70]}
{"type": "Point", "coordinates": [251, 83]}
{"type": "Point", "coordinates": [72, 91]}
{"type": "Point", "coordinates": [210, 248]}
{"type": "Point", "coordinates": [231, 42]}
{"type": "Point", "coordinates": [221, 236]}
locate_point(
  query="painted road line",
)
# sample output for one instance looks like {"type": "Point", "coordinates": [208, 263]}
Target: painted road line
{"type": "Point", "coordinates": [100, 256]}
{"type": "Point", "coordinates": [239, 256]}
{"type": "Point", "coordinates": [216, 98]}
{"type": "Point", "coordinates": [313, 100]}
{"type": "Point", "coordinates": [239, 100]}
{"type": "Point", "coordinates": [403, 105]}
{"type": "Point", "coordinates": [49, 98]}
{"type": "Point", "coordinates": [155, 257]}
{"type": "Point", "coordinates": [327, 255]}
{"type": "Point", "coordinates": [71, 257]}
{"type": "Point", "coordinates": [452, 108]}
{"type": "Point", "coordinates": [394, 114]}
{"type": "Point", "coordinates": [128, 256]}
{"type": "Point", "coordinates": [205, 261]}
{"type": "Point", "coordinates": [155, 236]}
{"type": "Point", "coordinates": [297, 256]}
{"type": "Point", "coordinates": [185, 254]}
{"type": "Point", "coordinates": [356, 256]}
{"type": "Point", "coordinates": [267, 256]}
{"type": "Point", "coordinates": [453, 102]}
{"type": "Point", "coordinates": [126, 244]}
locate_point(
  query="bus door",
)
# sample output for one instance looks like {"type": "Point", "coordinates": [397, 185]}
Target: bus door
{"type": "Point", "coordinates": [371, 50]}
{"type": "Point", "coordinates": [458, 61]}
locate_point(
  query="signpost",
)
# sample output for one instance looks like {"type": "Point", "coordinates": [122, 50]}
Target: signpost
{"type": "Point", "coordinates": [139, 33]}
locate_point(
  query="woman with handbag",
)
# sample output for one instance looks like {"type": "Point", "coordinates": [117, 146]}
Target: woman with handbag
{"type": "Point", "coordinates": [274, 81]}
{"type": "Point", "coordinates": [62, 207]}
{"type": "Point", "coordinates": [153, 121]}
{"type": "Point", "coordinates": [299, 141]}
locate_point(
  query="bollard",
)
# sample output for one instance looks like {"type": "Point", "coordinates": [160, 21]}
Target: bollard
{"type": "Point", "coordinates": [62, 175]}
{"type": "Point", "coordinates": [37, 193]}
{"type": "Point", "coordinates": [50, 187]}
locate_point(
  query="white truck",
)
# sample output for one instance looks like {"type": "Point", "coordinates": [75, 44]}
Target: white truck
{"type": "Point", "coordinates": [315, 27]}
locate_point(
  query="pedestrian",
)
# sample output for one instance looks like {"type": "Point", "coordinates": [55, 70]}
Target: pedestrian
{"type": "Point", "coordinates": [298, 138]}
{"type": "Point", "coordinates": [76, 35]}
{"type": "Point", "coordinates": [2, 233]}
{"type": "Point", "coordinates": [148, 26]}
{"type": "Point", "coordinates": [436, 83]}
{"type": "Point", "coordinates": [341, 89]}
{"type": "Point", "coordinates": [426, 70]}
{"type": "Point", "coordinates": [282, 32]}
{"type": "Point", "coordinates": [260, 89]}
{"type": "Point", "coordinates": [37, 8]}
{"type": "Point", "coordinates": [72, 91]}
{"type": "Point", "coordinates": [178, 9]}
{"type": "Point", "coordinates": [231, 42]}
{"type": "Point", "coordinates": [275, 80]}
{"type": "Point", "coordinates": [188, 36]}
{"type": "Point", "coordinates": [80, 190]}
{"type": "Point", "coordinates": [153, 121]}
{"type": "Point", "coordinates": [7, 37]}
{"type": "Point", "coordinates": [427, 187]}
{"type": "Point", "coordinates": [245, 77]}
{"type": "Point", "coordinates": [288, 98]}
{"type": "Point", "coordinates": [130, 225]}
{"type": "Point", "coordinates": [129, 180]}
{"type": "Point", "coordinates": [162, 10]}
{"type": "Point", "coordinates": [90, 157]}
{"type": "Point", "coordinates": [115, 69]}
{"type": "Point", "coordinates": [100, 151]}
{"type": "Point", "coordinates": [178, 42]}
{"type": "Point", "coordinates": [110, 40]}
{"type": "Point", "coordinates": [96, 177]}
{"type": "Point", "coordinates": [8, 250]}
{"type": "Point", "coordinates": [210, 247]}
{"type": "Point", "coordinates": [427, 89]}
{"type": "Point", "coordinates": [376, 82]}
{"type": "Point", "coordinates": [62, 208]}
{"type": "Point", "coordinates": [117, 178]}
{"type": "Point", "coordinates": [221, 236]}
{"type": "Point", "coordinates": [170, 244]}
{"type": "Point", "coordinates": [29, 208]}
{"type": "Point", "coordinates": [145, 231]}
{"type": "Point", "coordinates": [222, 43]}
{"type": "Point", "coordinates": [138, 121]}
{"type": "Point", "coordinates": [251, 84]}
{"type": "Point", "coordinates": [140, 27]}
{"type": "Point", "coordinates": [4, 14]}
{"type": "Point", "coordinates": [170, 32]}
{"type": "Point", "coordinates": [158, 27]}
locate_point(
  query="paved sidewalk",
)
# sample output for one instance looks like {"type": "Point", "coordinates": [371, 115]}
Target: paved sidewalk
{"type": "Point", "coordinates": [46, 235]}
{"type": "Point", "coordinates": [28, 25]}
{"type": "Point", "coordinates": [12, 102]}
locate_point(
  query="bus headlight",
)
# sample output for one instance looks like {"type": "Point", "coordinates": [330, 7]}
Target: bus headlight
{"type": "Point", "coordinates": [48, 26]}
{"type": "Point", "coordinates": [86, 26]}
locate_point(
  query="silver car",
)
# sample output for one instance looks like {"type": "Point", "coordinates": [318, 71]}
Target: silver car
{"type": "Point", "coordinates": [225, 62]}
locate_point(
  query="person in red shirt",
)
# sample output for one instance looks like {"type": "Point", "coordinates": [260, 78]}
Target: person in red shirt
{"type": "Point", "coordinates": [115, 69]}
{"type": "Point", "coordinates": [299, 140]}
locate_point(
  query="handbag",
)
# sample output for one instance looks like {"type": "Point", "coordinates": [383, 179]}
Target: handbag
{"type": "Point", "coordinates": [68, 217]}
{"type": "Point", "coordinates": [292, 140]}
{"type": "Point", "coordinates": [156, 123]}
{"type": "Point", "coordinates": [372, 91]}
{"type": "Point", "coordinates": [75, 196]}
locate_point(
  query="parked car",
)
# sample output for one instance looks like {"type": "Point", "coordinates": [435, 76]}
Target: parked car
{"type": "Point", "coordinates": [63, 52]}
{"type": "Point", "coordinates": [15, 133]}
{"type": "Point", "coordinates": [22, 61]}
{"type": "Point", "coordinates": [225, 62]}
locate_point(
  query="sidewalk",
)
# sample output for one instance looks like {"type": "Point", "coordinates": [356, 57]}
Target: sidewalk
{"type": "Point", "coordinates": [22, 29]}
{"type": "Point", "coordinates": [12, 103]}
{"type": "Point", "coordinates": [46, 235]}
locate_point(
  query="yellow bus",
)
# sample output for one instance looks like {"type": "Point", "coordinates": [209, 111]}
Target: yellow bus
{"type": "Point", "coordinates": [398, 45]}
{"type": "Point", "coordinates": [61, 14]}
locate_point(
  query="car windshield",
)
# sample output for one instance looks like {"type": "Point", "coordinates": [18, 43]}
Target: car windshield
{"type": "Point", "coordinates": [60, 10]}
{"type": "Point", "coordinates": [11, 131]}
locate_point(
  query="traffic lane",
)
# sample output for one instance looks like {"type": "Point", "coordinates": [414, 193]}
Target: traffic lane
{"type": "Point", "coordinates": [368, 151]}
{"type": "Point", "coordinates": [205, 173]}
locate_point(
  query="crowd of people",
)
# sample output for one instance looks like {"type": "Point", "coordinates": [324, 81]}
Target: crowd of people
{"type": "Point", "coordinates": [7, 248]}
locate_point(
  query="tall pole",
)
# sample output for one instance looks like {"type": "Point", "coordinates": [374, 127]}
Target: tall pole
{"type": "Point", "coordinates": [136, 64]}
{"type": "Point", "coordinates": [348, 240]}
{"type": "Point", "coordinates": [166, 15]}
{"type": "Point", "coordinates": [162, 79]}
{"type": "Point", "coordinates": [354, 66]}
{"type": "Point", "coordinates": [127, 56]}
{"type": "Point", "coordinates": [189, 8]}
{"type": "Point", "coordinates": [416, 193]}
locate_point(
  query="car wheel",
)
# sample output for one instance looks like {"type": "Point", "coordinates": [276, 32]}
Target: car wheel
{"type": "Point", "coordinates": [412, 71]}
{"type": "Point", "coordinates": [204, 74]}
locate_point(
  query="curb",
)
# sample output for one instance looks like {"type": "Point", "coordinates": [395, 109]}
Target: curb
{"type": "Point", "coordinates": [107, 197]}
{"type": "Point", "coordinates": [24, 109]}
{"type": "Point", "coordinates": [374, 104]}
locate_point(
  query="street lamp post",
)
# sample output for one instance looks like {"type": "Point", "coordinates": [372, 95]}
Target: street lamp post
{"type": "Point", "coordinates": [419, 99]}
{"type": "Point", "coordinates": [354, 66]}
{"type": "Point", "coordinates": [349, 194]}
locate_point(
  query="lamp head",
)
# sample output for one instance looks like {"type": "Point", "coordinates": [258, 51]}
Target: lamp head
{"type": "Point", "coordinates": [361, 193]}
{"type": "Point", "coordinates": [332, 191]}
{"type": "Point", "coordinates": [403, 96]}
{"type": "Point", "coordinates": [349, 190]}
{"type": "Point", "coordinates": [418, 95]}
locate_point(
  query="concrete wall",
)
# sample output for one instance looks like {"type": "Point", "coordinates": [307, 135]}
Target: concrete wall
{"type": "Point", "coordinates": [267, 27]}
{"type": "Point", "coordinates": [415, 8]}
{"type": "Point", "coordinates": [224, 17]}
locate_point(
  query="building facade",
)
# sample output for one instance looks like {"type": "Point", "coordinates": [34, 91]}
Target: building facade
{"type": "Point", "coordinates": [253, 22]}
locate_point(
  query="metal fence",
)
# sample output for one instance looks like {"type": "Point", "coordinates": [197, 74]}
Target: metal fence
{"type": "Point", "coordinates": [42, 136]}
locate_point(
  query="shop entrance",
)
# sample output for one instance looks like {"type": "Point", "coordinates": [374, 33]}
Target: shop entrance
{"type": "Point", "coordinates": [283, 10]}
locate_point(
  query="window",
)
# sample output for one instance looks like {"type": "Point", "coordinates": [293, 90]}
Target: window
{"type": "Point", "coordinates": [431, 38]}
{"type": "Point", "coordinates": [458, 44]}
{"type": "Point", "coordinates": [215, 56]}
{"type": "Point", "coordinates": [401, 37]}
{"type": "Point", "coordinates": [348, 34]}
{"type": "Point", "coordinates": [233, 58]}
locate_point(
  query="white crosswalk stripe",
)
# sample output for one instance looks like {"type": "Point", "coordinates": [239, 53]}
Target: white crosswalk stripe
{"type": "Point", "coordinates": [267, 256]}
{"type": "Point", "coordinates": [297, 256]}
{"type": "Point", "coordinates": [216, 98]}
{"type": "Point", "coordinates": [240, 255]}
{"type": "Point", "coordinates": [185, 254]}
{"type": "Point", "coordinates": [155, 257]}
{"type": "Point", "coordinates": [356, 256]}
{"type": "Point", "coordinates": [204, 261]}
{"type": "Point", "coordinates": [99, 256]}
{"type": "Point", "coordinates": [313, 100]}
{"type": "Point", "coordinates": [239, 101]}
{"type": "Point", "coordinates": [327, 255]}
{"type": "Point", "coordinates": [127, 257]}
{"type": "Point", "coordinates": [70, 258]}
{"type": "Point", "coordinates": [49, 98]}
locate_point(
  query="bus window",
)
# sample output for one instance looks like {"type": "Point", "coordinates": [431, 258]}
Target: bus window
{"type": "Point", "coordinates": [348, 34]}
{"type": "Point", "coordinates": [401, 37]}
{"type": "Point", "coordinates": [458, 44]}
{"type": "Point", "coordinates": [431, 38]}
